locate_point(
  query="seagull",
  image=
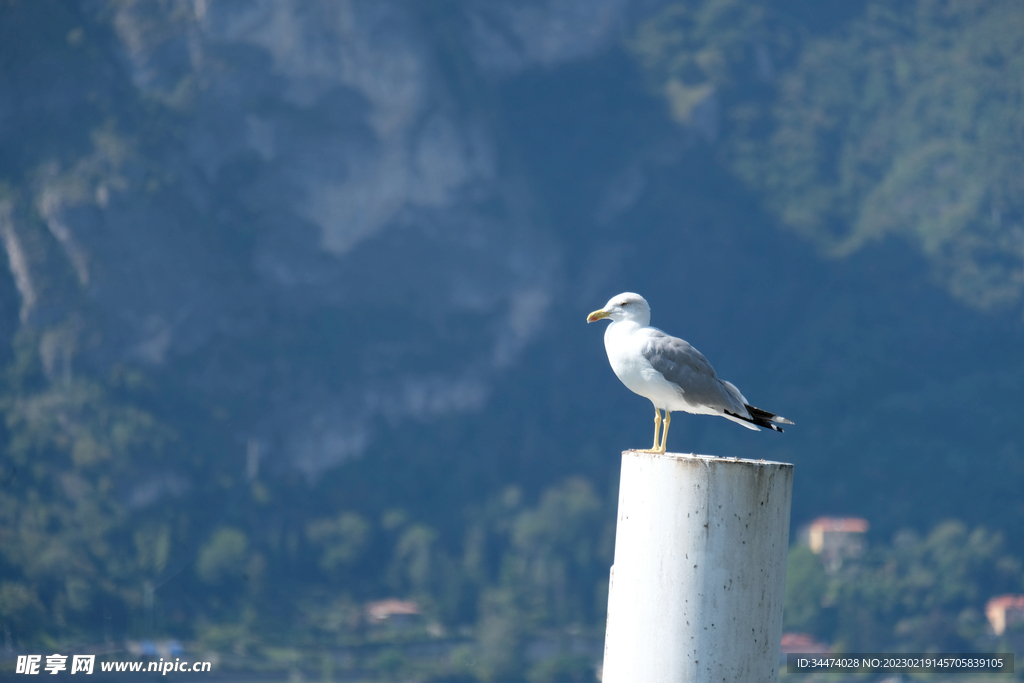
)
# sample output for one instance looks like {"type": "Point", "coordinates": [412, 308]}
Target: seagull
{"type": "Point", "coordinates": [670, 372]}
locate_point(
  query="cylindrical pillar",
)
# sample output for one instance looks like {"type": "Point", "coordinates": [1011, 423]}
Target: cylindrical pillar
{"type": "Point", "coordinates": [699, 578]}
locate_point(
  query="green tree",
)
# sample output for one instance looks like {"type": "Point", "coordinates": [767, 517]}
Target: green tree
{"type": "Point", "coordinates": [342, 539]}
{"type": "Point", "coordinates": [555, 555]}
{"type": "Point", "coordinates": [66, 545]}
{"type": "Point", "coordinates": [806, 586]}
{"type": "Point", "coordinates": [922, 594]}
{"type": "Point", "coordinates": [501, 633]}
{"type": "Point", "coordinates": [907, 124]}
{"type": "Point", "coordinates": [223, 556]}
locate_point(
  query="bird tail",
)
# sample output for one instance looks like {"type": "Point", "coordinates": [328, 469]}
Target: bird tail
{"type": "Point", "coordinates": [762, 418]}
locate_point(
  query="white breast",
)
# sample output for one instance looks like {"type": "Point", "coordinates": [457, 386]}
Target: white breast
{"type": "Point", "coordinates": [624, 341]}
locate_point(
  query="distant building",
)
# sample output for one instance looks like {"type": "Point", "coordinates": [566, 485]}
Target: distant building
{"type": "Point", "coordinates": [1005, 611]}
{"type": "Point", "coordinates": [802, 643]}
{"type": "Point", "coordinates": [392, 612]}
{"type": "Point", "coordinates": [836, 539]}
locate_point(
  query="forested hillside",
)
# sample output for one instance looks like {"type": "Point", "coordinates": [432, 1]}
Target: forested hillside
{"type": "Point", "coordinates": [292, 315]}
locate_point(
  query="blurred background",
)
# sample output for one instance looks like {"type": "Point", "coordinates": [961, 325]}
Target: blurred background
{"type": "Point", "coordinates": [295, 373]}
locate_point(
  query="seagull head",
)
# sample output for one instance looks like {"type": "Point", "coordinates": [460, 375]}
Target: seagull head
{"type": "Point", "coordinates": [625, 306]}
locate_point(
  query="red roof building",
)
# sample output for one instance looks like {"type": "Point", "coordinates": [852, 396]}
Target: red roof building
{"type": "Point", "coordinates": [380, 611]}
{"type": "Point", "coordinates": [1005, 611]}
{"type": "Point", "coordinates": [802, 643]}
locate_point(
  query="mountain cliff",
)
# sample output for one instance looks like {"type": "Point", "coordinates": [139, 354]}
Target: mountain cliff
{"type": "Point", "coordinates": [269, 263]}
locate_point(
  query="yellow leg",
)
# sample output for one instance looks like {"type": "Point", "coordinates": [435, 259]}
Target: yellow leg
{"type": "Point", "coordinates": [657, 430]}
{"type": "Point", "coordinates": [664, 431]}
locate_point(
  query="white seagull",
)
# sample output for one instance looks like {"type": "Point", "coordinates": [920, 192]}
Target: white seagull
{"type": "Point", "coordinates": [670, 372]}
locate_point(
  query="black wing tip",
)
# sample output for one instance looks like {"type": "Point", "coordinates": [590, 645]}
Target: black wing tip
{"type": "Point", "coordinates": [756, 420]}
{"type": "Point", "coordinates": [764, 415]}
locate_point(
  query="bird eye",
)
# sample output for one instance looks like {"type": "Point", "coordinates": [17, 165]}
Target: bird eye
{"type": "Point", "coordinates": [623, 303]}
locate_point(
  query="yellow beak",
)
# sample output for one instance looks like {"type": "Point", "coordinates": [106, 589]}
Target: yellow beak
{"type": "Point", "coordinates": [597, 315]}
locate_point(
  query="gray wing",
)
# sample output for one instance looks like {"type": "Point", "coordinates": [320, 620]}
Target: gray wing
{"type": "Point", "coordinates": [685, 366]}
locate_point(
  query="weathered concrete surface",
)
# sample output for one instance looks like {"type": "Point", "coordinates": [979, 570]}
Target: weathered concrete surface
{"type": "Point", "coordinates": [698, 583]}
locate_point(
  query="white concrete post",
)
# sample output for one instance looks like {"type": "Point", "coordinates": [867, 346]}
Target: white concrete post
{"type": "Point", "coordinates": [699, 579]}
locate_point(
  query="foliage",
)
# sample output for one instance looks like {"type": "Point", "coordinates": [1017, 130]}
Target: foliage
{"type": "Point", "coordinates": [806, 585]}
{"type": "Point", "coordinates": [906, 123]}
{"type": "Point", "coordinates": [81, 535]}
{"type": "Point", "coordinates": [909, 124]}
{"type": "Point", "coordinates": [555, 548]}
{"type": "Point", "coordinates": [67, 546]}
{"type": "Point", "coordinates": [222, 556]}
{"type": "Point", "coordinates": [564, 669]}
{"type": "Point", "coordinates": [693, 53]}
{"type": "Point", "coordinates": [124, 513]}
{"type": "Point", "coordinates": [73, 546]}
{"type": "Point", "coordinates": [343, 539]}
{"type": "Point", "coordinates": [918, 594]}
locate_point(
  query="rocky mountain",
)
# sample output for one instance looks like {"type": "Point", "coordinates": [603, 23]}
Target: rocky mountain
{"type": "Point", "coordinates": [269, 260]}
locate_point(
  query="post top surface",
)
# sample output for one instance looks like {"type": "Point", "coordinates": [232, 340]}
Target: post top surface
{"type": "Point", "coordinates": [708, 459]}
